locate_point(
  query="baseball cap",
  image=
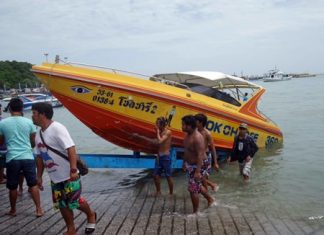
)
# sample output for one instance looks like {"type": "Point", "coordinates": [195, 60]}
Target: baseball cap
{"type": "Point", "coordinates": [243, 126]}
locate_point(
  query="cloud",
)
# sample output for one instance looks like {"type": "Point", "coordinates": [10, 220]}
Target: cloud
{"type": "Point", "coordinates": [162, 36]}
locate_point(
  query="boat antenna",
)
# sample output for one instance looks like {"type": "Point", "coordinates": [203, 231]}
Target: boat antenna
{"type": "Point", "coordinates": [46, 56]}
{"type": "Point", "coordinates": [57, 59]}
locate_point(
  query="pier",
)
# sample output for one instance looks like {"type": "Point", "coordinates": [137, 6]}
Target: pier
{"type": "Point", "coordinates": [132, 209]}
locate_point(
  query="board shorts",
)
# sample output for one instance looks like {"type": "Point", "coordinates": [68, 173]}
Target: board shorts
{"type": "Point", "coordinates": [18, 167]}
{"type": "Point", "coordinates": [67, 194]}
{"type": "Point", "coordinates": [206, 166]}
{"type": "Point", "coordinates": [163, 165]}
{"type": "Point", "coordinates": [194, 186]}
{"type": "Point", "coordinates": [246, 168]}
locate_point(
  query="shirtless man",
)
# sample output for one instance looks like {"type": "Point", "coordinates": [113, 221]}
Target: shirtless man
{"type": "Point", "coordinates": [211, 155]}
{"type": "Point", "coordinates": [194, 153]}
{"type": "Point", "coordinates": [163, 159]}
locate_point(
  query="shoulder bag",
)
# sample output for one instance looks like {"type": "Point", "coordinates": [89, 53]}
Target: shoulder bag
{"type": "Point", "coordinates": [82, 167]}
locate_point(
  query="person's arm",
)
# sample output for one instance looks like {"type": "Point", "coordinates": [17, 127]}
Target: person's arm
{"type": "Point", "coordinates": [200, 148]}
{"type": "Point", "coordinates": [184, 166]}
{"type": "Point", "coordinates": [184, 163]}
{"type": "Point", "coordinates": [40, 170]}
{"type": "Point", "coordinates": [150, 140]}
{"type": "Point", "coordinates": [65, 142]}
{"type": "Point", "coordinates": [32, 139]}
{"type": "Point", "coordinates": [232, 152]}
{"type": "Point", "coordinates": [253, 148]}
{"type": "Point", "coordinates": [73, 162]}
{"type": "Point", "coordinates": [32, 133]}
{"type": "Point", "coordinates": [212, 149]}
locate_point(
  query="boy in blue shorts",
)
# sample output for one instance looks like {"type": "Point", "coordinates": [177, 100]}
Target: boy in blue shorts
{"type": "Point", "coordinates": [163, 159]}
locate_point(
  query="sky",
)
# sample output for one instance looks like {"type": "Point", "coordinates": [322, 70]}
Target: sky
{"type": "Point", "coordinates": [148, 37]}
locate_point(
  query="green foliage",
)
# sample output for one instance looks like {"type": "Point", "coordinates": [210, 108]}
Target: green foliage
{"type": "Point", "coordinates": [12, 73]}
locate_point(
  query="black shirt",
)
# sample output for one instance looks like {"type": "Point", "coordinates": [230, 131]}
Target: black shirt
{"type": "Point", "coordinates": [242, 148]}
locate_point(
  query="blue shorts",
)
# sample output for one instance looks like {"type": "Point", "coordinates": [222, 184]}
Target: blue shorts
{"type": "Point", "coordinates": [2, 161]}
{"type": "Point", "coordinates": [14, 169]}
{"type": "Point", "coordinates": [163, 165]}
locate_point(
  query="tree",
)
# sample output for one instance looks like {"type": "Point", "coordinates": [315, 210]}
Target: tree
{"type": "Point", "coordinates": [12, 73]}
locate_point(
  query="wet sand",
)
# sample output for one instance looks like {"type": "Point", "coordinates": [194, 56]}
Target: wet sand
{"type": "Point", "coordinates": [126, 206]}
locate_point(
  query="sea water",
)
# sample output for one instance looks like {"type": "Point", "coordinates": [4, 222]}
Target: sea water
{"type": "Point", "coordinates": [285, 180]}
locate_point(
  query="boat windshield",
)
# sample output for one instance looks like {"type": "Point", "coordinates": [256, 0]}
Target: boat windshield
{"type": "Point", "coordinates": [227, 88]}
{"type": "Point", "coordinates": [214, 93]}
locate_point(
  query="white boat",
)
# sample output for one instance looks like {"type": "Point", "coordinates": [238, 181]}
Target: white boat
{"type": "Point", "coordinates": [276, 76]}
{"type": "Point", "coordinates": [32, 98]}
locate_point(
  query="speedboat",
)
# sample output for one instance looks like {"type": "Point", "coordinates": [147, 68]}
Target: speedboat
{"type": "Point", "coordinates": [276, 76]}
{"type": "Point", "coordinates": [32, 98]}
{"type": "Point", "coordinates": [119, 106]}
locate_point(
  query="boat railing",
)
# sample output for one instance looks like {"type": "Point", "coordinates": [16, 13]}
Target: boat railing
{"type": "Point", "coordinates": [103, 67]}
{"type": "Point", "coordinates": [152, 78]}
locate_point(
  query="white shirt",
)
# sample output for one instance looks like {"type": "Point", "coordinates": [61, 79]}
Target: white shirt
{"type": "Point", "coordinates": [56, 136]}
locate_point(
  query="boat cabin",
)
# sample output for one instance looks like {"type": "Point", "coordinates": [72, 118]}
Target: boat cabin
{"type": "Point", "coordinates": [220, 86]}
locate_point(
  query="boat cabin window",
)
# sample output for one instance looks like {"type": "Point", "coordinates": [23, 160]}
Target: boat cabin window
{"type": "Point", "coordinates": [214, 93]}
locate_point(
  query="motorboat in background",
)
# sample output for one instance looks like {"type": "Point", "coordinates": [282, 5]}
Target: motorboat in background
{"type": "Point", "coordinates": [119, 107]}
{"type": "Point", "coordinates": [32, 98]}
{"type": "Point", "coordinates": [275, 75]}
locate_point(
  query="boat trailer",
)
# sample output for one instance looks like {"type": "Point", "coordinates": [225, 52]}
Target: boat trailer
{"type": "Point", "coordinates": [137, 159]}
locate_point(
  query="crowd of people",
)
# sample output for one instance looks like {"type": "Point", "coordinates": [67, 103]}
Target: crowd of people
{"type": "Point", "coordinates": [26, 152]}
{"type": "Point", "coordinates": [199, 156]}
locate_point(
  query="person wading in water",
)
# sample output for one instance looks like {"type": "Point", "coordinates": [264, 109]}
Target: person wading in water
{"type": "Point", "coordinates": [210, 159]}
{"type": "Point", "coordinates": [244, 149]}
{"type": "Point", "coordinates": [194, 153]}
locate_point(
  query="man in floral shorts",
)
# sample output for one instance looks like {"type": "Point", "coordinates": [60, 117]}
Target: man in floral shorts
{"type": "Point", "coordinates": [194, 153]}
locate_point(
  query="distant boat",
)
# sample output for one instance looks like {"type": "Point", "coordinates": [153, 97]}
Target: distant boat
{"type": "Point", "coordinates": [32, 98]}
{"type": "Point", "coordinates": [276, 76]}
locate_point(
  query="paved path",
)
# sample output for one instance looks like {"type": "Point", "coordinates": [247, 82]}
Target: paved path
{"type": "Point", "coordinates": [132, 210]}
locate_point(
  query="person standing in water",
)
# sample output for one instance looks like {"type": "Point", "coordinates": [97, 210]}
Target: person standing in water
{"type": "Point", "coordinates": [194, 153]}
{"type": "Point", "coordinates": [211, 156]}
{"type": "Point", "coordinates": [163, 160]}
{"type": "Point", "coordinates": [244, 149]}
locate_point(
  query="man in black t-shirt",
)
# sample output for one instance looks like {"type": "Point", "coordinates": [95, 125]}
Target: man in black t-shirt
{"type": "Point", "coordinates": [243, 151]}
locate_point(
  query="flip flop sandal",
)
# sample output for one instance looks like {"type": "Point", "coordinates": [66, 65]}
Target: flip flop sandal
{"type": "Point", "coordinates": [91, 227]}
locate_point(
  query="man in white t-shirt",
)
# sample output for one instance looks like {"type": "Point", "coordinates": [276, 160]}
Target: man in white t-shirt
{"type": "Point", "coordinates": [64, 175]}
